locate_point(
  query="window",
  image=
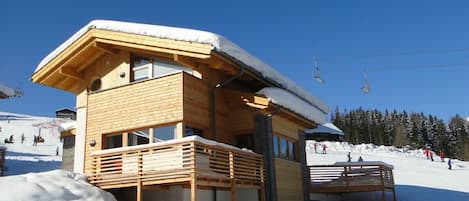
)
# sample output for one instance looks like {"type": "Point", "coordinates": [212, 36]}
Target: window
{"type": "Point", "coordinates": [164, 133]}
{"type": "Point", "coordinates": [112, 141]}
{"type": "Point", "coordinates": [284, 148]}
{"type": "Point", "coordinates": [245, 141]}
{"type": "Point", "coordinates": [138, 137]}
{"type": "Point", "coordinates": [146, 68]}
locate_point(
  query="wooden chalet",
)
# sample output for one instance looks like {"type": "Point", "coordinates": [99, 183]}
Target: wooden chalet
{"type": "Point", "coordinates": [167, 113]}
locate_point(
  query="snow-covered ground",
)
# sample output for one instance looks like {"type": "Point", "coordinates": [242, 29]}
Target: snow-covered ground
{"type": "Point", "coordinates": [33, 172]}
{"type": "Point", "coordinates": [416, 177]}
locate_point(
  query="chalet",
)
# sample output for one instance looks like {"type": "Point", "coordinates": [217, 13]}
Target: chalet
{"type": "Point", "coordinates": [168, 113]}
{"type": "Point", "coordinates": [327, 131]}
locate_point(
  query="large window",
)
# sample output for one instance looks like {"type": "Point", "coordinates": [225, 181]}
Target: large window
{"type": "Point", "coordinates": [284, 148]}
{"type": "Point", "coordinates": [139, 136]}
{"type": "Point", "coordinates": [144, 68]}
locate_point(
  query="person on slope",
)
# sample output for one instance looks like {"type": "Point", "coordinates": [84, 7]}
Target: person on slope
{"type": "Point", "coordinates": [324, 149]}
{"type": "Point", "coordinates": [349, 158]}
{"type": "Point", "coordinates": [442, 155]}
{"type": "Point", "coordinates": [426, 152]}
{"type": "Point", "coordinates": [431, 155]}
{"type": "Point", "coordinates": [449, 164]}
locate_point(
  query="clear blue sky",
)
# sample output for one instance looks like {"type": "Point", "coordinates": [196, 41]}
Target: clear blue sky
{"type": "Point", "coordinates": [416, 52]}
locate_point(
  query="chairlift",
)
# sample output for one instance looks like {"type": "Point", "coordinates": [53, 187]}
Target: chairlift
{"type": "Point", "coordinates": [366, 87]}
{"type": "Point", "coordinates": [316, 74]}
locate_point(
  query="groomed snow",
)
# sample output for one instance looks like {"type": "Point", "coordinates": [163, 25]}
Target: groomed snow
{"type": "Point", "coordinates": [51, 185]}
{"type": "Point", "coordinates": [218, 42]}
{"type": "Point", "coordinates": [326, 128]}
{"type": "Point", "coordinates": [286, 99]}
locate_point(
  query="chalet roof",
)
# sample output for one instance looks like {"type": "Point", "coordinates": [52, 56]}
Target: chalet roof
{"type": "Point", "coordinates": [287, 100]}
{"type": "Point", "coordinates": [326, 128]}
{"type": "Point", "coordinates": [6, 92]}
{"type": "Point", "coordinates": [218, 43]}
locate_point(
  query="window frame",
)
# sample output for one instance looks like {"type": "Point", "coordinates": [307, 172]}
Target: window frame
{"type": "Point", "coordinates": [291, 146]}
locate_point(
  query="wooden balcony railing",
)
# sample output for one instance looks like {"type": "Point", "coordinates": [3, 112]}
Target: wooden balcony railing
{"type": "Point", "coordinates": [349, 177]}
{"type": "Point", "coordinates": [177, 161]}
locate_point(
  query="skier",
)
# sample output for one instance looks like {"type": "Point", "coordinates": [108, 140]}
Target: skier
{"type": "Point", "coordinates": [431, 155]}
{"type": "Point", "coordinates": [442, 155]}
{"type": "Point", "coordinates": [315, 147]}
{"type": "Point", "coordinates": [324, 148]}
{"type": "Point", "coordinates": [22, 138]}
{"type": "Point", "coordinates": [426, 152]}
{"type": "Point", "coordinates": [449, 164]}
{"type": "Point", "coordinates": [349, 157]}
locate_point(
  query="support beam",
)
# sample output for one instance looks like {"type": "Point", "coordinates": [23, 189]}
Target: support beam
{"type": "Point", "coordinates": [106, 48]}
{"type": "Point", "coordinates": [263, 145]}
{"type": "Point", "coordinates": [304, 168]}
{"type": "Point", "coordinates": [69, 72]}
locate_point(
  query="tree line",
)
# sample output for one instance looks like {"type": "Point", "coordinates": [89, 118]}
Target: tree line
{"type": "Point", "coordinates": [400, 129]}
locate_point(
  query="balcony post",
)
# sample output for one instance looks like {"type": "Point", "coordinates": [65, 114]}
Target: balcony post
{"type": "Point", "coordinates": [193, 173]}
{"type": "Point", "coordinates": [232, 177]}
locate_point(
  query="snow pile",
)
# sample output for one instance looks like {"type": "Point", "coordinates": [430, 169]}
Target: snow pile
{"type": "Point", "coordinates": [218, 42]}
{"type": "Point", "coordinates": [416, 177]}
{"type": "Point", "coordinates": [292, 102]}
{"type": "Point", "coordinates": [52, 185]}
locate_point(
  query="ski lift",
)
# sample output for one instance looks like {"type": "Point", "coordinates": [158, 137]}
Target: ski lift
{"type": "Point", "coordinates": [366, 87]}
{"type": "Point", "coordinates": [316, 74]}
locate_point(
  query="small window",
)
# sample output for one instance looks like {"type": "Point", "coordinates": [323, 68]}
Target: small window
{"type": "Point", "coordinates": [95, 85]}
{"type": "Point", "coordinates": [283, 148]}
{"type": "Point", "coordinates": [138, 137]}
{"type": "Point", "coordinates": [112, 141]}
{"type": "Point", "coordinates": [164, 133]}
{"type": "Point", "coordinates": [146, 68]}
{"type": "Point", "coordinates": [276, 145]}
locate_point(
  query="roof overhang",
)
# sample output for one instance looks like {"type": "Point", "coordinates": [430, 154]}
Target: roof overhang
{"type": "Point", "coordinates": [66, 69]}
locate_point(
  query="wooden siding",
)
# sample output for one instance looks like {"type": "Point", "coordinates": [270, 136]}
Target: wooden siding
{"type": "Point", "coordinates": [147, 103]}
{"type": "Point", "coordinates": [289, 180]}
{"type": "Point", "coordinates": [196, 103]}
{"type": "Point", "coordinates": [285, 127]}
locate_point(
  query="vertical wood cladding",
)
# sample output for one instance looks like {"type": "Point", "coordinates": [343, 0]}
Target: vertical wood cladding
{"type": "Point", "coordinates": [147, 103]}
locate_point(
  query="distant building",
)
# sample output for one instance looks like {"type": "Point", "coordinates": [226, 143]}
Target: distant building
{"type": "Point", "coordinates": [66, 113]}
{"type": "Point", "coordinates": [327, 131]}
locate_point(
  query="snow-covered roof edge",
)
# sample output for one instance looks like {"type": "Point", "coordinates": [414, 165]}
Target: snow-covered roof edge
{"type": "Point", "coordinates": [286, 99]}
{"type": "Point", "coordinates": [219, 43]}
{"type": "Point", "coordinates": [326, 128]}
{"type": "Point", "coordinates": [67, 126]}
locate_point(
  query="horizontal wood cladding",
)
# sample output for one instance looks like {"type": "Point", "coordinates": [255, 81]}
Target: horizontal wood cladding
{"type": "Point", "coordinates": [196, 102]}
{"type": "Point", "coordinates": [143, 104]}
{"type": "Point", "coordinates": [285, 127]}
{"type": "Point", "coordinates": [289, 180]}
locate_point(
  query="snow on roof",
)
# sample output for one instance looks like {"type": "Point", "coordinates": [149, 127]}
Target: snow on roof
{"type": "Point", "coordinates": [286, 99]}
{"type": "Point", "coordinates": [67, 126]}
{"type": "Point", "coordinates": [9, 92]}
{"type": "Point", "coordinates": [52, 185]}
{"type": "Point", "coordinates": [326, 128]}
{"type": "Point", "coordinates": [168, 142]}
{"type": "Point", "coordinates": [218, 42]}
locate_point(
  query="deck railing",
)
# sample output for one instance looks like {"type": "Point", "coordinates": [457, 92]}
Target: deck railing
{"type": "Point", "coordinates": [350, 177]}
{"type": "Point", "coordinates": [177, 161]}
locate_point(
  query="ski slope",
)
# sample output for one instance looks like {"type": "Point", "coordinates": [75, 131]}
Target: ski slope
{"type": "Point", "coordinates": [416, 177]}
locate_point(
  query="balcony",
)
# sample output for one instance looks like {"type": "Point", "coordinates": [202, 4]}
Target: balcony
{"type": "Point", "coordinates": [190, 160]}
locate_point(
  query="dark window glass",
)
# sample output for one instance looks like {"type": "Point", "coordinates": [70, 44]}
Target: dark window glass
{"type": "Point", "coordinates": [276, 146]}
{"type": "Point", "coordinates": [138, 137]}
{"type": "Point", "coordinates": [283, 148]}
{"type": "Point", "coordinates": [112, 141]}
{"type": "Point", "coordinates": [245, 141]}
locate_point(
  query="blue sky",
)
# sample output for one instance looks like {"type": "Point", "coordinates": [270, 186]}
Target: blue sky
{"type": "Point", "coordinates": [416, 53]}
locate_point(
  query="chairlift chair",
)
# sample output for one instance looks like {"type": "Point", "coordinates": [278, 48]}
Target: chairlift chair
{"type": "Point", "coordinates": [316, 73]}
{"type": "Point", "coordinates": [366, 87]}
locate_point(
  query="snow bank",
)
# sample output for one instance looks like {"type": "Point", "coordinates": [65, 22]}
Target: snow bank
{"type": "Point", "coordinates": [292, 102]}
{"type": "Point", "coordinates": [218, 42]}
{"type": "Point", "coordinates": [52, 185]}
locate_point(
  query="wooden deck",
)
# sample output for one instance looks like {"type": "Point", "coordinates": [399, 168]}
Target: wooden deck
{"type": "Point", "coordinates": [193, 163]}
{"type": "Point", "coordinates": [350, 177]}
